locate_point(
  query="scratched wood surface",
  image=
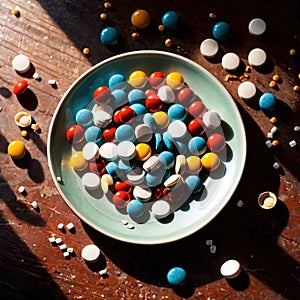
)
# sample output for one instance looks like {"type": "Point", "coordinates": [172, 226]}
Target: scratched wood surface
{"type": "Point", "coordinates": [52, 34]}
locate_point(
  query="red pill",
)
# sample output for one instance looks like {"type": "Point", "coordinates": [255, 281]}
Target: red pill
{"type": "Point", "coordinates": [123, 186]}
{"type": "Point", "coordinates": [150, 92]}
{"type": "Point", "coordinates": [75, 134]}
{"type": "Point", "coordinates": [153, 104]}
{"type": "Point", "coordinates": [196, 127]}
{"type": "Point", "coordinates": [157, 79]}
{"type": "Point", "coordinates": [120, 199]}
{"type": "Point", "coordinates": [116, 118]}
{"type": "Point", "coordinates": [20, 87]}
{"type": "Point", "coordinates": [97, 166]}
{"type": "Point", "coordinates": [102, 95]}
{"type": "Point", "coordinates": [216, 142]}
{"type": "Point", "coordinates": [126, 114]}
{"type": "Point", "coordinates": [197, 109]}
{"type": "Point", "coordinates": [186, 96]}
{"type": "Point", "coordinates": [158, 192]}
{"type": "Point", "coordinates": [108, 134]}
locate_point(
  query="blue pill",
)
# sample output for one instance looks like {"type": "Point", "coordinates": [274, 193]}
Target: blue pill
{"type": "Point", "coordinates": [177, 112]}
{"type": "Point", "coordinates": [197, 145]}
{"type": "Point", "coordinates": [167, 138]}
{"type": "Point", "coordinates": [193, 183]}
{"type": "Point", "coordinates": [135, 208]}
{"type": "Point", "coordinates": [120, 98]}
{"type": "Point", "coordinates": [125, 133]}
{"type": "Point", "coordinates": [158, 141]}
{"type": "Point", "coordinates": [176, 276]}
{"type": "Point", "coordinates": [139, 109]}
{"type": "Point", "coordinates": [136, 96]}
{"type": "Point", "coordinates": [267, 102]}
{"type": "Point", "coordinates": [148, 119]}
{"type": "Point", "coordinates": [93, 134]}
{"type": "Point", "coordinates": [84, 117]}
{"type": "Point", "coordinates": [170, 20]}
{"type": "Point", "coordinates": [109, 36]}
{"type": "Point", "coordinates": [112, 169]}
{"type": "Point", "coordinates": [117, 81]}
{"type": "Point", "coordinates": [155, 178]}
{"type": "Point", "coordinates": [126, 165]}
{"type": "Point", "coordinates": [221, 31]}
{"type": "Point", "coordinates": [181, 147]}
{"type": "Point", "coordinates": [167, 159]}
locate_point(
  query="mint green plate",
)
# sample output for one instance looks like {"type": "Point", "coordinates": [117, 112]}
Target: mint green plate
{"type": "Point", "coordinates": [97, 210]}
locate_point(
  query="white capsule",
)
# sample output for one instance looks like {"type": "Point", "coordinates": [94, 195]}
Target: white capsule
{"type": "Point", "coordinates": [257, 27]}
{"type": "Point", "coordinates": [21, 63]}
{"type": "Point", "coordinates": [209, 48]}
{"type": "Point", "coordinates": [58, 240]}
{"type": "Point", "coordinates": [230, 61]}
{"type": "Point", "coordinates": [230, 269]}
{"type": "Point", "coordinates": [257, 57]}
{"type": "Point", "coordinates": [90, 253]}
{"type": "Point", "coordinates": [246, 90]}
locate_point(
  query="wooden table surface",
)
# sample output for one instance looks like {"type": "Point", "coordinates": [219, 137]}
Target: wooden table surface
{"type": "Point", "coordinates": [267, 243]}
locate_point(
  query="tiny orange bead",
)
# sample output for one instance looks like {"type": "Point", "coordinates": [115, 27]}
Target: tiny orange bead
{"type": "Point", "coordinates": [168, 42]}
{"type": "Point", "coordinates": [275, 143]}
{"type": "Point", "coordinates": [276, 77]}
{"type": "Point", "coordinates": [272, 84]}
{"type": "Point", "coordinates": [296, 88]}
{"type": "Point", "coordinates": [273, 120]}
{"type": "Point", "coordinates": [135, 35]}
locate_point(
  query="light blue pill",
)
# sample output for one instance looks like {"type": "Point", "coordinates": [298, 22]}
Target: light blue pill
{"type": "Point", "coordinates": [136, 96]}
{"type": "Point", "coordinates": [125, 133]}
{"type": "Point", "coordinates": [154, 178]}
{"type": "Point", "coordinates": [117, 81]}
{"type": "Point", "coordinates": [158, 141]}
{"type": "Point", "coordinates": [267, 102]}
{"type": "Point", "coordinates": [193, 183]}
{"type": "Point", "coordinates": [84, 117]}
{"type": "Point", "coordinates": [176, 276]}
{"type": "Point", "coordinates": [170, 20]}
{"type": "Point", "coordinates": [139, 109]}
{"type": "Point", "coordinates": [112, 169]}
{"type": "Point", "coordinates": [135, 208]}
{"type": "Point", "coordinates": [120, 98]}
{"type": "Point", "coordinates": [93, 134]}
{"type": "Point", "coordinates": [181, 147]}
{"type": "Point", "coordinates": [109, 36]}
{"type": "Point", "coordinates": [221, 31]}
{"type": "Point", "coordinates": [125, 166]}
{"type": "Point", "coordinates": [148, 119]}
{"type": "Point", "coordinates": [177, 112]}
{"type": "Point", "coordinates": [167, 138]}
{"type": "Point", "coordinates": [167, 159]}
{"type": "Point", "coordinates": [197, 145]}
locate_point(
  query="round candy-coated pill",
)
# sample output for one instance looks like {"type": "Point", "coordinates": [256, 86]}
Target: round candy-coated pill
{"type": "Point", "coordinates": [84, 117]}
{"type": "Point", "coordinates": [77, 161]}
{"type": "Point", "coordinates": [21, 63]}
{"type": "Point", "coordinates": [197, 145]}
{"type": "Point", "coordinates": [125, 133]}
{"type": "Point", "coordinates": [139, 109]}
{"type": "Point", "coordinates": [197, 109]}
{"type": "Point", "coordinates": [117, 81]}
{"type": "Point", "coordinates": [267, 102]}
{"type": "Point", "coordinates": [230, 61]}
{"type": "Point", "coordinates": [109, 36]}
{"type": "Point", "coordinates": [90, 253]}
{"type": "Point", "coordinates": [116, 118]}
{"type": "Point", "coordinates": [212, 119]}
{"type": "Point", "coordinates": [210, 161]}
{"type": "Point", "coordinates": [186, 96]}
{"type": "Point", "coordinates": [176, 276]}
{"type": "Point", "coordinates": [108, 134]}
{"type": "Point", "coordinates": [193, 164]}
{"type": "Point", "coordinates": [170, 20]}
{"type": "Point", "coordinates": [221, 31]}
{"type": "Point", "coordinates": [140, 18]}
{"type": "Point", "coordinates": [126, 114]}
{"type": "Point", "coordinates": [153, 103]}
{"type": "Point", "coordinates": [143, 151]}
{"type": "Point", "coordinates": [108, 151]}
{"type": "Point", "coordinates": [193, 183]}
{"type": "Point", "coordinates": [166, 94]}
{"type": "Point", "coordinates": [158, 141]}
{"type": "Point", "coordinates": [257, 27]}
{"type": "Point", "coordinates": [247, 90]}
{"type": "Point", "coordinates": [126, 150]}
{"type": "Point", "coordinates": [161, 208]}
{"type": "Point", "coordinates": [168, 140]}
{"type": "Point", "coordinates": [121, 199]}
{"type": "Point", "coordinates": [102, 114]}
{"type": "Point", "coordinates": [93, 134]}
{"type": "Point", "coordinates": [257, 57]}
{"type": "Point", "coordinates": [154, 178]}
{"type": "Point", "coordinates": [161, 119]}
{"type": "Point", "coordinates": [135, 208]}
{"type": "Point", "coordinates": [16, 149]}
{"type": "Point", "coordinates": [216, 142]}
{"type": "Point", "coordinates": [148, 119]}
{"type": "Point", "coordinates": [196, 127]}
{"type": "Point", "coordinates": [20, 87]}
{"type": "Point", "coordinates": [75, 134]}
{"type": "Point", "coordinates": [138, 79]}
{"type": "Point", "coordinates": [177, 129]}
{"type": "Point", "coordinates": [90, 181]}
{"type": "Point", "coordinates": [143, 133]}
{"type": "Point", "coordinates": [97, 166]}
{"type": "Point", "coordinates": [122, 186]}
{"type": "Point", "coordinates": [150, 92]}
{"type": "Point", "coordinates": [102, 95]}
{"type": "Point", "coordinates": [157, 79]}
{"type": "Point", "coordinates": [209, 48]}
{"type": "Point", "coordinates": [136, 96]}
{"type": "Point", "coordinates": [112, 169]}
{"type": "Point", "coordinates": [90, 151]}
{"type": "Point", "coordinates": [175, 80]}
{"type": "Point", "coordinates": [230, 269]}
{"type": "Point", "coordinates": [167, 159]}
{"type": "Point", "coordinates": [177, 112]}
{"type": "Point", "coordinates": [120, 97]}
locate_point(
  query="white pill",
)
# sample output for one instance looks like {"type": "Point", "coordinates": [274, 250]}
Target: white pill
{"type": "Point", "coordinates": [36, 76]}
{"type": "Point", "coordinates": [142, 193]}
{"type": "Point", "coordinates": [230, 61]}
{"type": "Point", "coordinates": [297, 128]}
{"type": "Point", "coordinates": [90, 151]}
{"type": "Point", "coordinates": [240, 203]}
{"type": "Point", "coordinates": [58, 240]}
{"type": "Point", "coordinates": [177, 129]}
{"type": "Point", "coordinates": [143, 133]}
{"type": "Point", "coordinates": [268, 143]}
{"type": "Point", "coordinates": [273, 129]}
{"type": "Point", "coordinates": [60, 226]}
{"type": "Point", "coordinates": [166, 94]}
{"type": "Point", "coordinates": [34, 204]}
{"type": "Point", "coordinates": [62, 247]}
{"type": "Point", "coordinates": [103, 272]}
{"type": "Point", "coordinates": [173, 181]}
{"type": "Point", "coordinates": [66, 254]}
{"type": "Point", "coordinates": [103, 115]}
{"type": "Point", "coordinates": [124, 222]}
{"type": "Point", "coordinates": [151, 164]}
{"type": "Point", "coordinates": [180, 164]}
{"type": "Point", "coordinates": [70, 250]}
{"type": "Point", "coordinates": [136, 176]}
{"type": "Point", "coordinates": [270, 135]}
{"type": "Point", "coordinates": [21, 63]}
{"type": "Point", "coordinates": [58, 178]}
{"type": "Point", "coordinates": [126, 150]}
{"type": "Point", "coordinates": [161, 209]}
{"type": "Point", "coordinates": [21, 189]}
{"type": "Point", "coordinates": [230, 269]}
{"type": "Point", "coordinates": [208, 242]}
{"type": "Point", "coordinates": [52, 82]}
{"type": "Point", "coordinates": [211, 119]}
{"type": "Point", "coordinates": [292, 143]}
{"type": "Point", "coordinates": [90, 253]}
{"type": "Point", "coordinates": [212, 249]}
{"type": "Point", "coordinates": [106, 182]}
{"type": "Point", "coordinates": [130, 226]}
{"type": "Point", "coordinates": [257, 57]}
{"type": "Point", "coordinates": [209, 48]}
{"type": "Point", "coordinates": [276, 165]}
{"type": "Point", "coordinates": [70, 226]}
{"type": "Point", "coordinates": [247, 90]}
{"type": "Point", "coordinates": [108, 151]}
{"type": "Point", "coordinates": [257, 27]}
{"type": "Point", "coordinates": [52, 239]}
{"type": "Point", "coordinates": [90, 181]}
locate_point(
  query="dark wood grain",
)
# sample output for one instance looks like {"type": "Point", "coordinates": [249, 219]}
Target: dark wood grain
{"type": "Point", "coordinates": [53, 34]}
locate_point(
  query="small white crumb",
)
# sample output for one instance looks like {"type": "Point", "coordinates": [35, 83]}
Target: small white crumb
{"type": "Point", "coordinates": [103, 272]}
{"type": "Point", "coordinates": [70, 250]}
{"type": "Point", "coordinates": [208, 242]}
{"type": "Point", "coordinates": [124, 222]}
{"type": "Point", "coordinates": [240, 203]}
{"type": "Point", "coordinates": [268, 143]}
{"type": "Point", "coordinates": [58, 240]}
{"type": "Point", "coordinates": [62, 247]}
{"type": "Point", "coordinates": [273, 129]}
{"type": "Point", "coordinates": [270, 135]}
{"type": "Point", "coordinates": [276, 165]}
{"type": "Point", "coordinates": [212, 249]}
{"type": "Point", "coordinates": [21, 189]}
{"type": "Point", "coordinates": [36, 76]}
{"type": "Point", "coordinates": [130, 226]}
{"type": "Point", "coordinates": [52, 239]}
{"type": "Point", "coordinates": [70, 226]}
{"type": "Point", "coordinates": [34, 204]}
{"type": "Point", "coordinates": [60, 226]}
{"type": "Point", "coordinates": [292, 143]}
{"type": "Point", "coordinates": [51, 81]}
{"type": "Point", "coordinates": [58, 179]}
{"type": "Point", "coordinates": [297, 128]}
{"type": "Point", "coordinates": [66, 254]}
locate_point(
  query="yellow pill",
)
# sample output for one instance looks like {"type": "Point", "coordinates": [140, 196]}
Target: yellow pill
{"type": "Point", "coordinates": [161, 119]}
{"type": "Point", "coordinates": [140, 18]}
{"type": "Point", "coordinates": [16, 149]}
{"type": "Point", "coordinates": [77, 161]}
{"type": "Point", "coordinates": [175, 80]}
{"type": "Point", "coordinates": [143, 151]}
{"type": "Point", "coordinates": [193, 164]}
{"type": "Point", "coordinates": [138, 79]}
{"type": "Point", "coordinates": [210, 161]}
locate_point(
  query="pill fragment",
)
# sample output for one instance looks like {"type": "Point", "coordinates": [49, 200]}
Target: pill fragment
{"type": "Point", "coordinates": [35, 127]}
{"type": "Point", "coordinates": [90, 253]}
{"type": "Point", "coordinates": [52, 81]}
{"type": "Point", "coordinates": [66, 254]}
{"type": "Point", "coordinates": [268, 143]}
{"type": "Point", "coordinates": [70, 250]}
{"type": "Point", "coordinates": [270, 135]}
{"type": "Point", "coordinates": [297, 128]}
{"type": "Point", "coordinates": [230, 269]}
{"type": "Point", "coordinates": [276, 165]}
{"type": "Point", "coordinates": [208, 242]}
{"type": "Point", "coordinates": [34, 204]}
{"type": "Point", "coordinates": [240, 203]}
{"type": "Point", "coordinates": [62, 247]}
{"type": "Point", "coordinates": [103, 272]}
{"type": "Point", "coordinates": [52, 240]}
{"type": "Point", "coordinates": [70, 226]}
{"type": "Point", "coordinates": [60, 226]}
{"type": "Point", "coordinates": [292, 143]}
{"type": "Point", "coordinates": [58, 241]}
{"type": "Point", "coordinates": [257, 57]}
{"type": "Point", "coordinates": [36, 76]}
{"type": "Point", "coordinates": [124, 222]}
{"type": "Point", "coordinates": [21, 189]}
{"type": "Point", "coordinates": [213, 249]}
{"type": "Point", "coordinates": [130, 226]}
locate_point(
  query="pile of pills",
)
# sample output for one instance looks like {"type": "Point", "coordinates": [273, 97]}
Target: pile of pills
{"type": "Point", "coordinates": [146, 140]}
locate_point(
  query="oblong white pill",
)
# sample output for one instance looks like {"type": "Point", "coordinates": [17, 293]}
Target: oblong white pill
{"type": "Point", "coordinates": [142, 193]}
{"type": "Point", "coordinates": [209, 48]}
{"type": "Point", "coordinates": [257, 57]}
{"type": "Point", "coordinates": [143, 133]}
{"type": "Point", "coordinates": [161, 209]}
{"type": "Point", "coordinates": [126, 150]}
{"type": "Point", "coordinates": [90, 181]}
{"type": "Point", "coordinates": [90, 253]}
{"type": "Point", "coordinates": [247, 90]}
{"type": "Point", "coordinates": [90, 151]}
{"type": "Point", "coordinates": [257, 27]}
{"type": "Point", "coordinates": [109, 151]}
{"type": "Point", "coordinates": [21, 63]}
{"type": "Point", "coordinates": [230, 61]}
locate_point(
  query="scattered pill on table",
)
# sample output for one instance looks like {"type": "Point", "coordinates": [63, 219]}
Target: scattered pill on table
{"type": "Point", "coordinates": [52, 240]}
{"type": "Point", "coordinates": [247, 90]}
{"type": "Point", "coordinates": [16, 11]}
{"type": "Point", "coordinates": [109, 36]}
{"type": "Point", "coordinates": [86, 51]}
{"type": "Point", "coordinates": [209, 48]}
{"type": "Point", "coordinates": [275, 143]}
{"type": "Point", "coordinates": [297, 128]}
{"type": "Point", "coordinates": [70, 250]}
{"type": "Point", "coordinates": [103, 16]}
{"type": "Point", "coordinates": [212, 16]}
{"type": "Point", "coordinates": [62, 247]}
{"type": "Point", "coordinates": [267, 102]}
{"type": "Point", "coordinates": [293, 52]}
{"type": "Point", "coordinates": [257, 57]}
{"type": "Point", "coordinates": [140, 18]}
{"type": "Point", "coordinates": [213, 249]}
{"type": "Point", "coordinates": [273, 120]}
{"type": "Point", "coordinates": [276, 77]}
{"type": "Point", "coordinates": [124, 222]}
{"type": "Point", "coordinates": [21, 63]}
{"type": "Point", "coordinates": [90, 253]}
{"type": "Point", "coordinates": [292, 143]}
{"type": "Point", "coordinates": [34, 204]}
{"type": "Point", "coordinates": [168, 42]}
{"type": "Point", "coordinates": [208, 242]}
{"type": "Point", "coordinates": [58, 178]}
{"type": "Point", "coordinates": [272, 84]}
{"type": "Point", "coordinates": [296, 88]}
{"type": "Point", "coordinates": [270, 135]}
{"type": "Point", "coordinates": [21, 189]}
{"type": "Point", "coordinates": [230, 61]}
{"type": "Point", "coordinates": [58, 241]}
{"type": "Point", "coordinates": [16, 149]}
{"type": "Point", "coordinates": [103, 272]}
{"type": "Point", "coordinates": [35, 127]}
{"type": "Point", "coordinates": [274, 129]}
{"type": "Point", "coordinates": [20, 87]}
{"type": "Point", "coordinates": [52, 82]}
{"type": "Point", "coordinates": [60, 226]}
{"type": "Point", "coordinates": [70, 226]}
{"type": "Point", "coordinates": [170, 20]}
{"type": "Point", "coordinates": [176, 276]}
{"type": "Point", "coordinates": [36, 76]}
{"type": "Point", "coordinates": [221, 31]}
{"type": "Point", "coordinates": [135, 35]}
{"type": "Point", "coordinates": [130, 226]}
{"type": "Point", "coordinates": [230, 269]}
{"type": "Point", "coordinates": [66, 254]}
{"type": "Point", "coordinates": [257, 27]}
